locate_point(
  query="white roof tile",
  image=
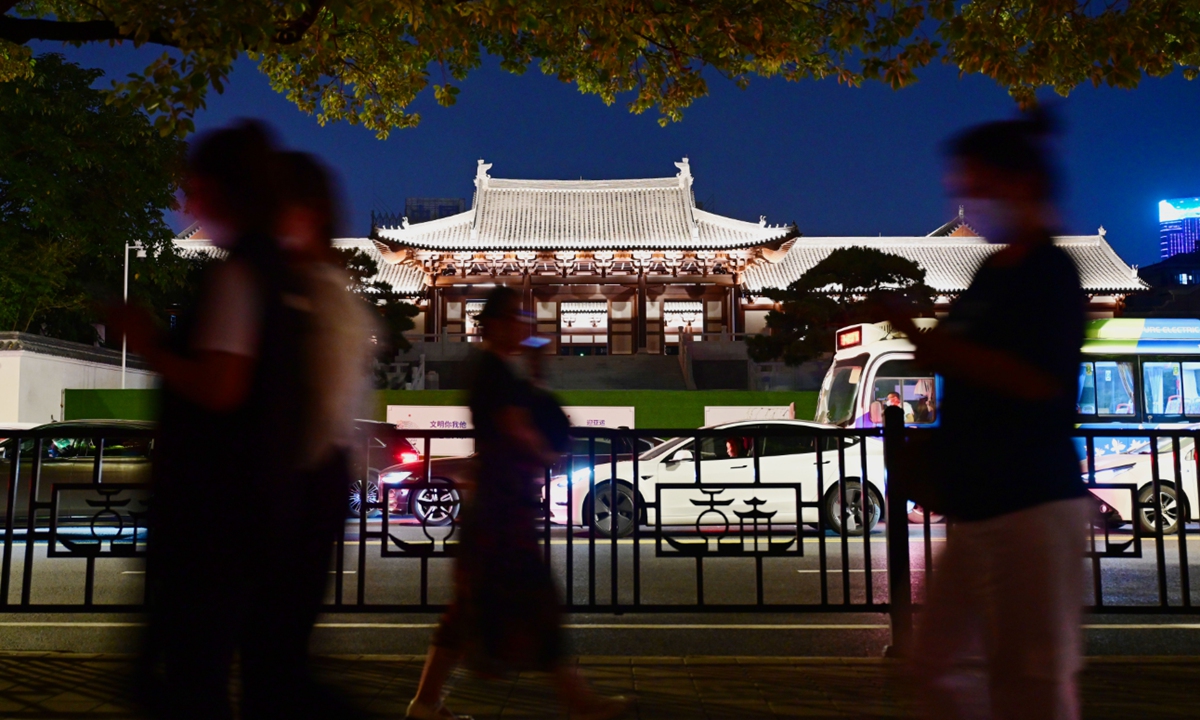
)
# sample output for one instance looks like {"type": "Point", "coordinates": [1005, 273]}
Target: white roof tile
{"type": "Point", "coordinates": [949, 262]}
{"type": "Point", "coordinates": [404, 279]}
{"type": "Point", "coordinates": [192, 245]}
{"type": "Point", "coordinates": [642, 214]}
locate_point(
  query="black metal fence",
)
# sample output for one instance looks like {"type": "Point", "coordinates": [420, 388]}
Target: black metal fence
{"type": "Point", "coordinates": [760, 518]}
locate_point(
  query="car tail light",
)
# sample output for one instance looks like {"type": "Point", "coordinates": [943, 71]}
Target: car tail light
{"type": "Point", "coordinates": [407, 456]}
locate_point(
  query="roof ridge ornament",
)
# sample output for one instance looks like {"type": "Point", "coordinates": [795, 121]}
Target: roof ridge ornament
{"type": "Point", "coordinates": [1101, 231]}
{"type": "Point", "coordinates": [481, 174]}
{"type": "Point", "coordinates": [404, 222]}
{"type": "Point", "coordinates": [685, 173]}
{"type": "Point", "coordinates": [762, 220]}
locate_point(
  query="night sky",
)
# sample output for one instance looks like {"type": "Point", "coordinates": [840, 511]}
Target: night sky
{"type": "Point", "coordinates": [832, 159]}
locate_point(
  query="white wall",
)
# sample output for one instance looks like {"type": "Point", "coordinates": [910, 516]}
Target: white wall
{"type": "Point", "coordinates": [756, 322]}
{"type": "Point", "coordinates": [31, 384]}
{"type": "Point", "coordinates": [10, 378]}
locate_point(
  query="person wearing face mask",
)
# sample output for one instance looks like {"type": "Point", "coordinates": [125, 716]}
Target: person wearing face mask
{"type": "Point", "coordinates": [1010, 580]}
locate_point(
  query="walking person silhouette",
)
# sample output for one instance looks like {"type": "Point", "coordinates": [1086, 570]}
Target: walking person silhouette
{"type": "Point", "coordinates": [232, 408]}
{"type": "Point", "coordinates": [294, 556]}
{"type": "Point", "coordinates": [1009, 582]}
{"type": "Point", "coordinates": [505, 614]}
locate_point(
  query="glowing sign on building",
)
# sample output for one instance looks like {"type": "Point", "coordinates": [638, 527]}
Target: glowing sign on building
{"type": "Point", "coordinates": [1178, 226]}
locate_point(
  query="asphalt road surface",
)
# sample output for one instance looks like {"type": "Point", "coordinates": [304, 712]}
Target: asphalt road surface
{"type": "Point", "coordinates": [663, 579]}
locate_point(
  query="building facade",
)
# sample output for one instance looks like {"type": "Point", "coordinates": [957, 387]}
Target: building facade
{"type": "Point", "coordinates": [608, 267]}
{"type": "Point", "coordinates": [622, 267]}
{"type": "Point", "coordinates": [1178, 227]}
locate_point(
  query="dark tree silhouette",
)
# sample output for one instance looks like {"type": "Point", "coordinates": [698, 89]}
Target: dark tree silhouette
{"type": "Point", "coordinates": [80, 178]}
{"type": "Point", "coordinates": [395, 312]}
{"type": "Point", "coordinates": [852, 285]}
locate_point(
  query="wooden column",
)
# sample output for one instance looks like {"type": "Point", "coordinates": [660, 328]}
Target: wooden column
{"type": "Point", "coordinates": [435, 310]}
{"type": "Point", "coordinates": [641, 313]}
{"type": "Point", "coordinates": [732, 323]}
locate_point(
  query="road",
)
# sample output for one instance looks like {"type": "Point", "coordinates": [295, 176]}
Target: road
{"type": "Point", "coordinates": [661, 581]}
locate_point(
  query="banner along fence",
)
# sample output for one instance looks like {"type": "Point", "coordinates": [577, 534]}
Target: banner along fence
{"type": "Point", "coordinates": [766, 516]}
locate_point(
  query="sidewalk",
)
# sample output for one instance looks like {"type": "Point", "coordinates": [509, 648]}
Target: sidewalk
{"type": "Point", "coordinates": [44, 685]}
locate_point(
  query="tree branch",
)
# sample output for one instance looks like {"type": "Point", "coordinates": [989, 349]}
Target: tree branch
{"type": "Point", "coordinates": [291, 32]}
{"type": "Point", "coordinates": [22, 30]}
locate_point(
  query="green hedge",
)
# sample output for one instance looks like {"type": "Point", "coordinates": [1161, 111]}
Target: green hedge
{"type": "Point", "coordinates": [655, 408]}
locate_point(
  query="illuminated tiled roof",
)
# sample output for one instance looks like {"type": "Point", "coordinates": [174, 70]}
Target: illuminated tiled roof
{"type": "Point", "coordinates": [644, 214]}
{"type": "Point", "coordinates": [404, 279]}
{"type": "Point", "coordinates": [949, 262]}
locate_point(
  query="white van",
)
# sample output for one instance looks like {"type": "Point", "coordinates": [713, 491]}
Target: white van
{"type": "Point", "coordinates": [1135, 373]}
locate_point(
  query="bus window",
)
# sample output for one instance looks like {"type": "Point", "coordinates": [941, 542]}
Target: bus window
{"type": "Point", "coordinates": [1106, 389]}
{"type": "Point", "coordinates": [1191, 395]}
{"type": "Point", "coordinates": [903, 384]}
{"type": "Point", "coordinates": [1086, 402]}
{"type": "Point", "coordinates": [835, 405]}
{"type": "Point", "coordinates": [1171, 388]}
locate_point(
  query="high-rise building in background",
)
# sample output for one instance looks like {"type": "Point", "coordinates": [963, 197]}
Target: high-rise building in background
{"type": "Point", "coordinates": [1178, 226]}
{"type": "Point", "coordinates": [419, 210]}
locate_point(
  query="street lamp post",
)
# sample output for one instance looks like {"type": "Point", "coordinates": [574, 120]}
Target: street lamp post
{"type": "Point", "coordinates": [141, 252]}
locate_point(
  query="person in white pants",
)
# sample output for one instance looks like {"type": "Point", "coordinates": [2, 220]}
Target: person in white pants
{"type": "Point", "coordinates": [1007, 589]}
{"type": "Point", "coordinates": [1009, 585]}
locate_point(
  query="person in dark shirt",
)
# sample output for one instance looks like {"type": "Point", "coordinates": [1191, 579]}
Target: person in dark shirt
{"type": "Point", "coordinates": [1009, 582]}
{"type": "Point", "coordinates": [505, 614]}
{"type": "Point", "coordinates": [231, 410]}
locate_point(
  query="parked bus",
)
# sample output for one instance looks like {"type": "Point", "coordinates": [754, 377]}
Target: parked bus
{"type": "Point", "coordinates": [1135, 373]}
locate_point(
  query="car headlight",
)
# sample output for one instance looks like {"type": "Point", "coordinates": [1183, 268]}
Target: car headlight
{"type": "Point", "coordinates": [1107, 474]}
{"type": "Point", "coordinates": [392, 478]}
{"type": "Point", "coordinates": [582, 476]}
{"type": "Point", "coordinates": [559, 481]}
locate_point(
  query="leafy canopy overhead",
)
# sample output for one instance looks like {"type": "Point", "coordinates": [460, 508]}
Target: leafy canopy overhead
{"type": "Point", "coordinates": [852, 285]}
{"type": "Point", "coordinates": [365, 61]}
{"type": "Point", "coordinates": [78, 179]}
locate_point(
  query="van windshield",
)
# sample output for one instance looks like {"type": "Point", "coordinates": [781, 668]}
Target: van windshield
{"type": "Point", "coordinates": [835, 405]}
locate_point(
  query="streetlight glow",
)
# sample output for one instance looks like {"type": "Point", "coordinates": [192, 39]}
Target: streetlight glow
{"type": "Point", "coordinates": [141, 253]}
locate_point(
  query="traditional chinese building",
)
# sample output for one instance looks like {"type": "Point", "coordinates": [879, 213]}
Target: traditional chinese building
{"type": "Point", "coordinates": [621, 266]}
{"type": "Point", "coordinates": [618, 267]}
{"type": "Point", "coordinates": [607, 266]}
{"type": "Point", "coordinates": [950, 255]}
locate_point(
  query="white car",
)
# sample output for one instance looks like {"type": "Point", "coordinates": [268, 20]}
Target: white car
{"type": "Point", "coordinates": [1136, 468]}
{"type": "Point", "coordinates": [726, 493]}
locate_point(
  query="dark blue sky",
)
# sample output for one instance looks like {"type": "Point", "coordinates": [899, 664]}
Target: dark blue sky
{"type": "Point", "coordinates": [834, 160]}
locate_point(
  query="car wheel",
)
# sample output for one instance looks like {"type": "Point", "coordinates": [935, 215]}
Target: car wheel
{"type": "Point", "coordinates": [435, 505]}
{"type": "Point", "coordinates": [1170, 508]}
{"type": "Point", "coordinates": [607, 511]}
{"type": "Point", "coordinates": [356, 496]}
{"type": "Point", "coordinates": [855, 525]}
{"type": "Point", "coordinates": [916, 515]}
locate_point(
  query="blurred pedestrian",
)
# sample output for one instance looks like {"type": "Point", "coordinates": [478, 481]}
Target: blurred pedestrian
{"type": "Point", "coordinates": [230, 415]}
{"type": "Point", "coordinates": [294, 554]}
{"type": "Point", "coordinates": [505, 614]}
{"type": "Point", "coordinates": [1009, 582]}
